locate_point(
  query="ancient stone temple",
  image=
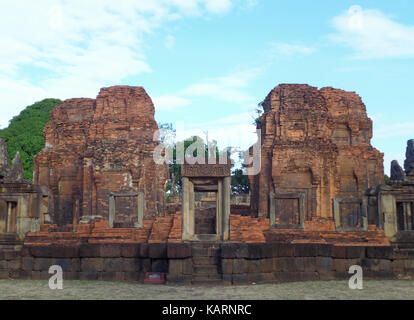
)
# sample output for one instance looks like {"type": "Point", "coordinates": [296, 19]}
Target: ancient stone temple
{"type": "Point", "coordinates": [392, 204]}
{"type": "Point", "coordinates": [318, 205]}
{"type": "Point", "coordinates": [98, 159]}
{"type": "Point", "coordinates": [317, 160]}
{"type": "Point", "coordinates": [23, 205]}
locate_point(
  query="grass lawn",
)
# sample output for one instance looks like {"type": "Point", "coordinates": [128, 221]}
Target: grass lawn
{"type": "Point", "coordinates": [78, 290]}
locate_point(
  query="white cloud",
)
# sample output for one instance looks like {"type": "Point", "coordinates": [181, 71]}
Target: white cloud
{"type": "Point", "coordinates": [230, 88]}
{"type": "Point", "coordinates": [218, 6]}
{"type": "Point", "coordinates": [286, 49]}
{"type": "Point", "coordinates": [80, 45]}
{"type": "Point", "coordinates": [170, 102]}
{"type": "Point", "coordinates": [169, 41]}
{"type": "Point", "coordinates": [372, 34]}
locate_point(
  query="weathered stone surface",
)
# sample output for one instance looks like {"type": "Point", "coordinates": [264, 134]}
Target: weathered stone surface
{"type": "Point", "coordinates": [397, 173]}
{"type": "Point", "coordinates": [16, 172]}
{"type": "Point", "coordinates": [409, 157]}
{"type": "Point", "coordinates": [95, 147]}
{"type": "Point", "coordinates": [318, 141]}
{"type": "Point", "coordinates": [4, 160]}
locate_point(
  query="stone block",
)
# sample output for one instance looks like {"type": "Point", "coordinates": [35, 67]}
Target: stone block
{"type": "Point", "coordinates": [227, 266]}
{"type": "Point", "coordinates": [187, 266]}
{"type": "Point", "coordinates": [380, 252]}
{"type": "Point", "coordinates": [325, 250]}
{"type": "Point", "coordinates": [69, 265]}
{"type": "Point", "coordinates": [131, 265]}
{"type": "Point", "coordinates": [92, 265]}
{"type": "Point", "coordinates": [88, 275]}
{"type": "Point", "coordinates": [267, 265]}
{"type": "Point", "coordinates": [110, 251]}
{"type": "Point", "coordinates": [285, 250]}
{"type": "Point", "coordinates": [144, 250]}
{"type": "Point", "coordinates": [89, 250]}
{"type": "Point", "coordinates": [240, 266]}
{"type": "Point", "coordinates": [146, 265]}
{"type": "Point", "coordinates": [287, 264]}
{"type": "Point", "coordinates": [309, 276]}
{"type": "Point", "coordinates": [157, 250]}
{"type": "Point", "coordinates": [306, 250]}
{"type": "Point", "coordinates": [255, 278]}
{"type": "Point", "coordinates": [179, 250]}
{"type": "Point", "coordinates": [253, 266]}
{"type": "Point", "coordinates": [179, 279]}
{"type": "Point", "coordinates": [260, 250]}
{"type": "Point", "coordinates": [238, 279]}
{"type": "Point", "coordinates": [355, 252]}
{"type": "Point", "coordinates": [287, 276]}
{"type": "Point", "coordinates": [234, 250]}
{"type": "Point", "coordinates": [113, 265]}
{"type": "Point", "coordinates": [130, 250]}
{"type": "Point", "coordinates": [43, 264]}
{"type": "Point", "coordinates": [175, 267]}
{"type": "Point", "coordinates": [324, 265]}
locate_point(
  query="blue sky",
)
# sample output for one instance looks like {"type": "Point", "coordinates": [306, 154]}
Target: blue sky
{"type": "Point", "coordinates": [210, 62]}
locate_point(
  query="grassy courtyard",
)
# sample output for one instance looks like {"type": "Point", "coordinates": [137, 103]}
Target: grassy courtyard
{"type": "Point", "coordinates": [79, 290]}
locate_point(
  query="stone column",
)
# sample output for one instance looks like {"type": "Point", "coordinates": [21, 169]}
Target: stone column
{"type": "Point", "coordinates": [226, 208]}
{"type": "Point", "coordinates": [219, 210]}
{"type": "Point", "coordinates": [111, 217]}
{"type": "Point", "coordinates": [388, 209]}
{"type": "Point", "coordinates": [186, 209]}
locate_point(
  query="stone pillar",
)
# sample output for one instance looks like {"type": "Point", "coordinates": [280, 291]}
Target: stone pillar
{"type": "Point", "coordinates": [226, 208]}
{"type": "Point", "coordinates": [219, 210]}
{"type": "Point", "coordinates": [186, 209]}
{"type": "Point", "coordinates": [388, 209]}
{"type": "Point", "coordinates": [111, 217]}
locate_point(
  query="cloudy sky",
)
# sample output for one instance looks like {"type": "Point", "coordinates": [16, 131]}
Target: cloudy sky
{"type": "Point", "coordinates": [210, 62]}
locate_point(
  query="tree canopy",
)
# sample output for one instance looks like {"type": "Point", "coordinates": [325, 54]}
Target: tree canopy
{"type": "Point", "coordinates": [25, 133]}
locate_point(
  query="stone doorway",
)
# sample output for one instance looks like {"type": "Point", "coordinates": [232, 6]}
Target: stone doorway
{"type": "Point", "coordinates": [8, 216]}
{"type": "Point", "coordinates": [405, 216]}
{"type": "Point", "coordinates": [207, 220]}
{"type": "Point", "coordinates": [205, 212]}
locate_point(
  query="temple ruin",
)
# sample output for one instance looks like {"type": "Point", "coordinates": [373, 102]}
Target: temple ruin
{"type": "Point", "coordinates": [97, 205]}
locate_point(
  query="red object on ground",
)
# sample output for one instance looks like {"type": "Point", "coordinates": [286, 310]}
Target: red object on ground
{"type": "Point", "coordinates": [154, 278]}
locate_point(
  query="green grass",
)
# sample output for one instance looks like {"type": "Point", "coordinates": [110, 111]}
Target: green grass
{"type": "Point", "coordinates": [321, 290]}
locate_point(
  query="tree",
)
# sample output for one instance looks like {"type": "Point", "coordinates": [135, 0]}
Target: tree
{"type": "Point", "coordinates": [239, 182]}
{"type": "Point", "coordinates": [25, 133]}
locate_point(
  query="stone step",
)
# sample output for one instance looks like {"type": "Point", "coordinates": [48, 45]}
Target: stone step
{"type": "Point", "coordinates": [205, 270]}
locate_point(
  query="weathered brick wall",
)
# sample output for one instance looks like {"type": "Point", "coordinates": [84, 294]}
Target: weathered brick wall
{"type": "Point", "coordinates": [316, 142]}
{"type": "Point", "coordinates": [98, 146]}
{"type": "Point", "coordinates": [238, 263]}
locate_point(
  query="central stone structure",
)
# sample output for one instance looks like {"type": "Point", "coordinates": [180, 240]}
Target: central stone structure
{"type": "Point", "coordinates": [212, 178]}
{"type": "Point", "coordinates": [317, 160]}
{"type": "Point", "coordinates": [98, 159]}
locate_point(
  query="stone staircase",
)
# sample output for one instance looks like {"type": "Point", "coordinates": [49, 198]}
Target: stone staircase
{"type": "Point", "coordinates": [206, 262]}
{"type": "Point", "coordinates": [9, 241]}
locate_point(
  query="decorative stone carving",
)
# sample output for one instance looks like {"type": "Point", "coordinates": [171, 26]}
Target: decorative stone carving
{"type": "Point", "coordinates": [397, 172]}
{"type": "Point", "coordinates": [409, 155]}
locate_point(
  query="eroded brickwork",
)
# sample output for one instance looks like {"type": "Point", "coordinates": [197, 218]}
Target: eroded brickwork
{"type": "Point", "coordinates": [314, 142]}
{"type": "Point", "coordinates": [98, 146]}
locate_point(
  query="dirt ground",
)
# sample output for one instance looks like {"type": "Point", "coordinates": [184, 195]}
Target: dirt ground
{"type": "Point", "coordinates": [321, 290]}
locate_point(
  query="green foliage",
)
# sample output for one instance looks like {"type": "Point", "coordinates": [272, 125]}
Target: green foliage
{"type": "Point", "coordinates": [239, 182]}
{"type": "Point", "coordinates": [259, 112]}
{"type": "Point", "coordinates": [25, 133]}
{"type": "Point", "coordinates": [386, 178]}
